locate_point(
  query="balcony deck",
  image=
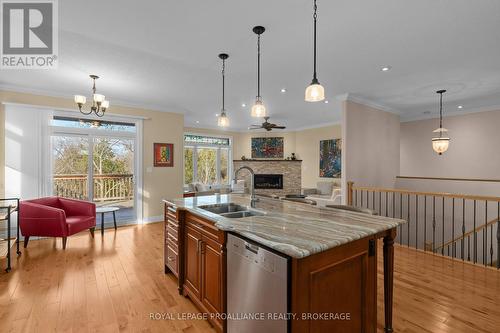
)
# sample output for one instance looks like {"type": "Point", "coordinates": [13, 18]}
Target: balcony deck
{"type": "Point", "coordinates": [114, 284]}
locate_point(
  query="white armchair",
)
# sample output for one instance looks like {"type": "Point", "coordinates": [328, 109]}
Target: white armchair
{"type": "Point", "coordinates": [323, 200]}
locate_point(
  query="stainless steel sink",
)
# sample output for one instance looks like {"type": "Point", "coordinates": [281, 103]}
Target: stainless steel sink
{"type": "Point", "coordinates": [231, 210]}
{"type": "Point", "coordinates": [241, 214]}
{"type": "Point", "coordinates": [224, 208]}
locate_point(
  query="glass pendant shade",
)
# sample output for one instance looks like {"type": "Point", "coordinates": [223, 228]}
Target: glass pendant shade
{"type": "Point", "coordinates": [98, 98]}
{"type": "Point", "coordinates": [441, 143]}
{"type": "Point", "coordinates": [79, 99]}
{"type": "Point", "coordinates": [223, 120]}
{"type": "Point", "coordinates": [105, 104]}
{"type": "Point", "coordinates": [315, 93]}
{"type": "Point", "coordinates": [258, 109]}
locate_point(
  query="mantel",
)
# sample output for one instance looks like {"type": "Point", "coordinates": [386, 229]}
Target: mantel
{"type": "Point", "coordinates": [267, 160]}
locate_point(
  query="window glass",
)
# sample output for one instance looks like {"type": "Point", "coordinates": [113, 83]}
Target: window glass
{"type": "Point", "coordinates": [188, 165]}
{"type": "Point", "coordinates": [207, 165]}
{"type": "Point", "coordinates": [92, 123]}
{"type": "Point", "coordinates": [199, 139]}
{"type": "Point", "coordinates": [224, 166]}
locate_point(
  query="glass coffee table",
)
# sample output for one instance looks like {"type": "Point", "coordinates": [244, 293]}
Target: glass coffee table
{"type": "Point", "coordinates": [103, 210]}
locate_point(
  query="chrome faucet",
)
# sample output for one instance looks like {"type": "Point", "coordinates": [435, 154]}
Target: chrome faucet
{"type": "Point", "coordinates": [252, 187]}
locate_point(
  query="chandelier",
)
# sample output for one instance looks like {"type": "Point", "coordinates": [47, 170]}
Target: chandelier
{"type": "Point", "coordinates": [440, 143]}
{"type": "Point", "coordinates": [258, 109]}
{"type": "Point", "coordinates": [99, 102]}
{"type": "Point", "coordinates": [315, 91]}
{"type": "Point", "coordinates": [223, 120]}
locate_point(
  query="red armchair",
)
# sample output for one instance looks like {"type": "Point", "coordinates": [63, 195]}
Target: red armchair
{"type": "Point", "coordinates": [55, 217]}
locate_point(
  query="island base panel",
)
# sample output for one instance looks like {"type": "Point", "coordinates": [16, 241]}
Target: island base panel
{"type": "Point", "coordinates": [339, 284]}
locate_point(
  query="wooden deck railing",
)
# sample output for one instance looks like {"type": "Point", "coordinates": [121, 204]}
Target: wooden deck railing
{"type": "Point", "coordinates": [456, 225]}
{"type": "Point", "coordinates": [106, 187]}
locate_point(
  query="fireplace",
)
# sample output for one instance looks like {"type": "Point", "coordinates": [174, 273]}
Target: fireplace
{"type": "Point", "coordinates": [268, 181]}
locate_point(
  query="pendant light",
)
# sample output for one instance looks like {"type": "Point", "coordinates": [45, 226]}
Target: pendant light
{"type": "Point", "coordinates": [315, 91]}
{"type": "Point", "coordinates": [258, 109]}
{"type": "Point", "coordinates": [440, 144]}
{"type": "Point", "coordinates": [223, 120]}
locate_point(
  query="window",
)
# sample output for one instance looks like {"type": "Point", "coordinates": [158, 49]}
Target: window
{"type": "Point", "coordinates": [207, 159]}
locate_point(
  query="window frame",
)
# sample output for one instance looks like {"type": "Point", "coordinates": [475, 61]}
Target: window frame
{"type": "Point", "coordinates": [196, 146]}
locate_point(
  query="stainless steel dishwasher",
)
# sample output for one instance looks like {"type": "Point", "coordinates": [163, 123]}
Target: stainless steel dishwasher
{"type": "Point", "coordinates": [257, 288]}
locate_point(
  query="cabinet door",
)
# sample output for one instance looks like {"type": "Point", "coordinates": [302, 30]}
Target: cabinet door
{"type": "Point", "coordinates": [192, 260]}
{"type": "Point", "coordinates": [211, 264]}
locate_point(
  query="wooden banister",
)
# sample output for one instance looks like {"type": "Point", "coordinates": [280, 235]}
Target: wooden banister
{"type": "Point", "coordinates": [437, 219]}
{"type": "Point", "coordinates": [435, 194]}
{"type": "Point", "coordinates": [467, 234]}
{"type": "Point", "coordinates": [451, 179]}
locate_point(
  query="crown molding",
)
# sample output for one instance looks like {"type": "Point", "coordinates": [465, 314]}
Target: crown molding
{"type": "Point", "coordinates": [406, 119]}
{"type": "Point", "coordinates": [115, 102]}
{"type": "Point", "coordinates": [368, 102]}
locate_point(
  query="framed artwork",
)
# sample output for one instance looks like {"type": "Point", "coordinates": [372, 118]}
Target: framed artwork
{"type": "Point", "coordinates": [267, 147]}
{"type": "Point", "coordinates": [163, 154]}
{"type": "Point", "coordinates": [330, 158]}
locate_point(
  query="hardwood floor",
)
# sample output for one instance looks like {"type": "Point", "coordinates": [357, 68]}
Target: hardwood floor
{"type": "Point", "coordinates": [113, 283]}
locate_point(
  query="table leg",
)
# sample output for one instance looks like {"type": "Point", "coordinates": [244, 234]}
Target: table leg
{"type": "Point", "coordinates": [18, 235]}
{"type": "Point", "coordinates": [388, 278]}
{"type": "Point", "coordinates": [102, 224]}
{"type": "Point", "coordinates": [8, 240]}
{"type": "Point", "coordinates": [114, 219]}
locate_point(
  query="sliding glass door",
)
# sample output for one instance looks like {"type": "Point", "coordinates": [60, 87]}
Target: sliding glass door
{"type": "Point", "coordinates": [113, 175]}
{"type": "Point", "coordinates": [70, 166]}
{"type": "Point", "coordinates": [96, 162]}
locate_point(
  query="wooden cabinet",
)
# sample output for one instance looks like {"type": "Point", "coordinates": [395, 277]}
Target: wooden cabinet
{"type": "Point", "coordinates": [339, 282]}
{"type": "Point", "coordinates": [171, 244]}
{"type": "Point", "coordinates": [211, 268]}
{"type": "Point", "coordinates": [192, 267]}
{"type": "Point", "coordinates": [204, 267]}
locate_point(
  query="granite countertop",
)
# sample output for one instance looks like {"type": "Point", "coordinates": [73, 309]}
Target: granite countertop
{"type": "Point", "coordinates": [295, 229]}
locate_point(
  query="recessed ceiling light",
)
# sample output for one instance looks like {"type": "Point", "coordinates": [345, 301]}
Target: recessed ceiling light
{"type": "Point", "coordinates": [216, 114]}
{"type": "Point", "coordinates": [283, 90]}
{"type": "Point", "coordinates": [243, 105]}
{"type": "Point", "coordinates": [197, 121]}
{"type": "Point", "coordinates": [386, 68]}
{"type": "Point", "coordinates": [326, 101]}
{"type": "Point", "coordinates": [460, 107]}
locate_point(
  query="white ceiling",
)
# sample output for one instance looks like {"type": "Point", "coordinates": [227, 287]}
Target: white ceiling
{"type": "Point", "coordinates": [163, 55]}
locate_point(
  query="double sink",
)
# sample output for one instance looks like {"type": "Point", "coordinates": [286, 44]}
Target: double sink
{"type": "Point", "coordinates": [232, 210]}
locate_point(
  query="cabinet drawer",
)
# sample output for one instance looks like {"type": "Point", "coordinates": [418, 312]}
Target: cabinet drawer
{"type": "Point", "coordinates": [173, 224]}
{"type": "Point", "coordinates": [172, 244]}
{"type": "Point", "coordinates": [172, 233]}
{"type": "Point", "coordinates": [206, 228]}
{"type": "Point", "coordinates": [172, 260]}
{"type": "Point", "coordinates": [171, 214]}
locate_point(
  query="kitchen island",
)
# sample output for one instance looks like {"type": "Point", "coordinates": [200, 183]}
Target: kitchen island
{"type": "Point", "coordinates": [333, 257]}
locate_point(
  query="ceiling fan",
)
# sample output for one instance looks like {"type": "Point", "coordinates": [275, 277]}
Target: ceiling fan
{"type": "Point", "coordinates": [266, 125]}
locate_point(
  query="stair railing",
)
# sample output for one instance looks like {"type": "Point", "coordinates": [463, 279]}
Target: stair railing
{"type": "Point", "coordinates": [437, 221]}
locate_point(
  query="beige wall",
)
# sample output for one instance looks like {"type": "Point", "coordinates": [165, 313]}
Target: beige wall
{"type": "Point", "coordinates": [370, 145]}
{"type": "Point", "coordinates": [473, 153]}
{"type": "Point", "coordinates": [307, 149]}
{"type": "Point", "coordinates": [243, 143]}
{"type": "Point", "coordinates": [304, 143]}
{"type": "Point", "coordinates": [159, 127]}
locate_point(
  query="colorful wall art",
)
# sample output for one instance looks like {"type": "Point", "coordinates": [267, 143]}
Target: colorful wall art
{"type": "Point", "coordinates": [163, 155]}
{"type": "Point", "coordinates": [330, 158]}
{"type": "Point", "coordinates": [267, 147]}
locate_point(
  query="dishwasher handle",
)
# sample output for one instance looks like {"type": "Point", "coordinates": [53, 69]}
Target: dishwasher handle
{"type": "Point", "coordinates": [252, 248]}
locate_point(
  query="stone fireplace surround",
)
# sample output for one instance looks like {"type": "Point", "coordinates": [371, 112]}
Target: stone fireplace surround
{"type": "Point", "coordinates": [290, 169]}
